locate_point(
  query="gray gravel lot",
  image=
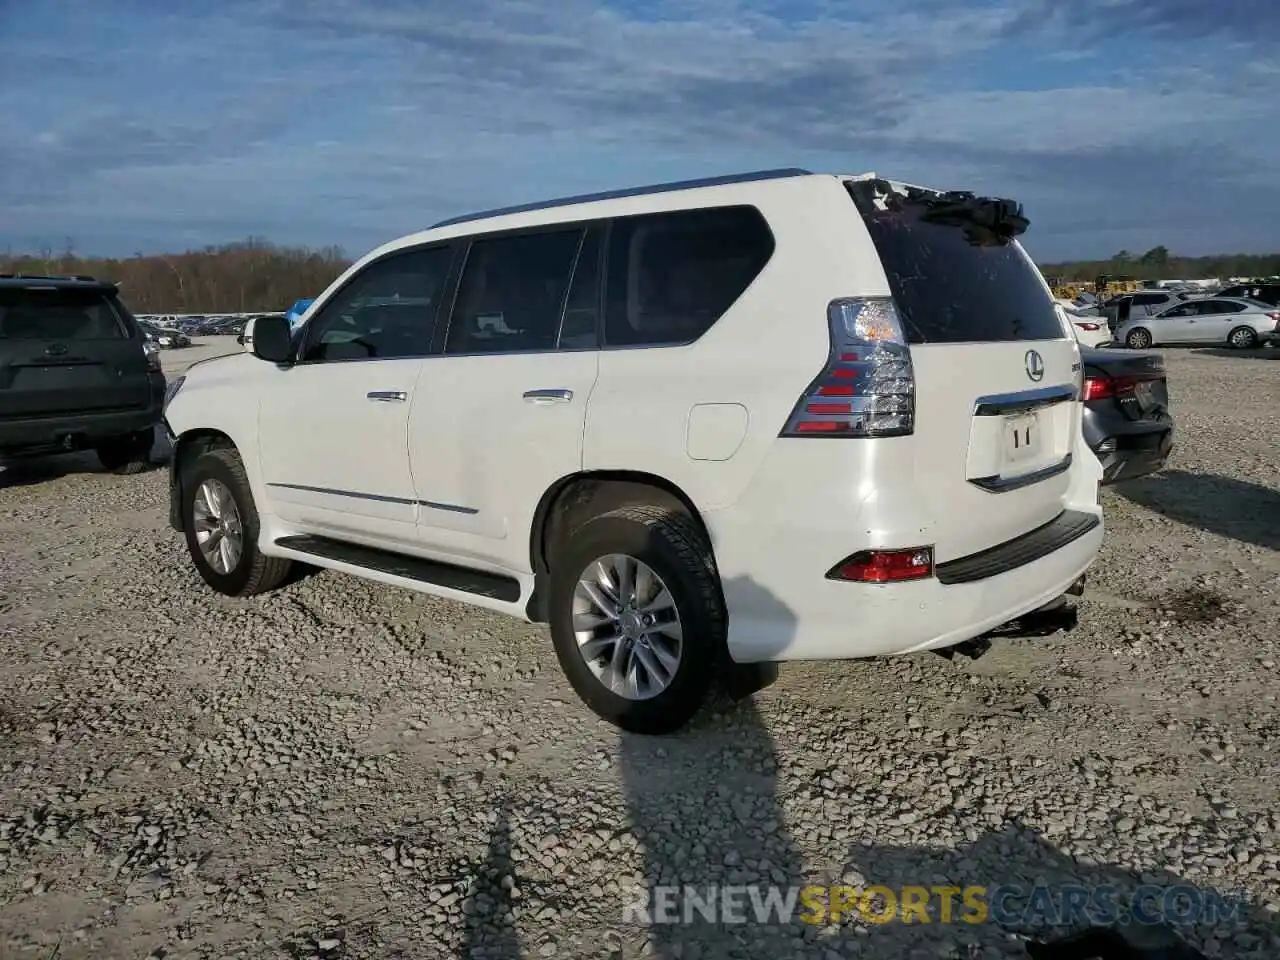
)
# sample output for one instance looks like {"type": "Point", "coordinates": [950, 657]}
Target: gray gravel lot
{"type": "Point", "coordinates": [344, 770]}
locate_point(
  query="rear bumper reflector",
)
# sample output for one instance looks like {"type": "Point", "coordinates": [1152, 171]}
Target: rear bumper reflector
{"type": "Point", "coordinates": [1066, 527]}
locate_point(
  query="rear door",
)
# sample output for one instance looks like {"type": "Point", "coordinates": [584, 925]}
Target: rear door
{"type": "Point", "coordinates": [1215, 319]}
{"type": "Point", "coordinates": [997, 440]}
{"type": "Point", "coordinates": [68, 350]}
{"type": "Point", "coordinates": [499, 417]}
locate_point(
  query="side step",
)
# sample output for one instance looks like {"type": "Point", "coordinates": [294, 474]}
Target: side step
{"type": "Point", "coordinates": [446, 575]}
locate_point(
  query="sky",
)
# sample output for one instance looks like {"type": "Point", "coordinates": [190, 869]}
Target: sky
{"type": "Point", "coordinates": [141, 125]}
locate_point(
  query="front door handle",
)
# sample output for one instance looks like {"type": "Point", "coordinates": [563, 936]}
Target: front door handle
{"type": "Point", "coordinates": [558, 395]}
{"type": "Point", "coordinates": [387, 396]}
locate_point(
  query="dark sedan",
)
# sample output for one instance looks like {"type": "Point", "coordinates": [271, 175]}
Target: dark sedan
{"type": "Point", "coordinates": [1127, 422]}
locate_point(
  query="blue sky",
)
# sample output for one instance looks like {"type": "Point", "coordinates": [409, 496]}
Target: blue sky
{"type": "Point", "coordinates": [139, 125]}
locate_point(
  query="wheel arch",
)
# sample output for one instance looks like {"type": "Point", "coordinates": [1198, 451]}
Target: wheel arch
{"type": "Point", "coordinates": [186, 449]}
{"type": "Point", "coordinates": [578, 496]}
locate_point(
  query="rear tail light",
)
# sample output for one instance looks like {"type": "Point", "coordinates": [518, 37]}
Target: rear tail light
{"type": "Point", "coordinates": [867, 388]}
{"type": "Point", "coordinates": [1099, 388]}
{"type": "Point", "coordinates": [1091, 327]}
{"type": "Point", "coordinates": [152, 353]}
{"type": "Point", "coordinates": [885, 566]}
{"type": "Point", "coordinates": [1276, 317]}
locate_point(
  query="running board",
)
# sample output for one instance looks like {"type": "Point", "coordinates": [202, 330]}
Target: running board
{"type": "Point", "coordinates": [446, 575]}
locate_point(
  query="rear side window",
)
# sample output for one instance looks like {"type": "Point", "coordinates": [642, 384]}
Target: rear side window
{"type": "Point", "coordinates": [58, 314]}
{"type": "Point", "coordinates": [950, 289]}
{"type": "Point", "coordinates": [512, 293]}
{"type": "Point", "coordinates": [1151, 299]}
{"type": "Point", "coordinates": [672, 275]}
{"type": "Point", "coordinates": [1212, 307]}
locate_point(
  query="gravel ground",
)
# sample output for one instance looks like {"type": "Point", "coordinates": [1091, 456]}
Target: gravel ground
{"type": "Point", "coordinates": [345, 770]}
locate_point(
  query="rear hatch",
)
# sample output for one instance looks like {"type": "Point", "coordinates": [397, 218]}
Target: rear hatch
{"type": "Point", "coordinates": [996, 370]}
{"type": "Point", "coordinates": [68, 349]}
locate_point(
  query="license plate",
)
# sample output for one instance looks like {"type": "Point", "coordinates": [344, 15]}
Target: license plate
{"type": "Point", "coordinates": [1021, 437]}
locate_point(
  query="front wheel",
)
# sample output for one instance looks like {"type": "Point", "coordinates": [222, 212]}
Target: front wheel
{"type": "Point", "coordinates": [637, 617]}
{"type": "Point", "coordinates": [220, 522]}
{"type": "Point", "coordinates": [1243, 338]}
{"type": "Point", "coordinates": [1138, 339]}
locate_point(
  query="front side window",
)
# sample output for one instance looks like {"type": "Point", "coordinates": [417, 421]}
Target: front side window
{"type": "Point", "coordinates": [672, 275]}
{"type": "Point", "coordinates": [384, 312]}
{"type": "Point", "coordinates": [512, 293]}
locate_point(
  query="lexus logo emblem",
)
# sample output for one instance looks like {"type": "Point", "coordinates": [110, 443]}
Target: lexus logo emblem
{"type": "Point", "coordinates": [1035, 366]}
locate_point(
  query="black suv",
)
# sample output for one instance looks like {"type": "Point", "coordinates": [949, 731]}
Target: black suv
{"type": "Point", "coordinates": [1268, 293]}
{"type": "Point", "coordinates": [76, 372]}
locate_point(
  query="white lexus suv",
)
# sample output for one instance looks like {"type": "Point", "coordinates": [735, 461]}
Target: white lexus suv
{"type": "Point", "coordinates": [690, 427]}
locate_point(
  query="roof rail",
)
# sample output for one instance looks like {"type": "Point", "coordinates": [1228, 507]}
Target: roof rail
{"type": "Point", "coordinates": [81, 277]}
{"type": "Point", "coordinates": [629, 192]}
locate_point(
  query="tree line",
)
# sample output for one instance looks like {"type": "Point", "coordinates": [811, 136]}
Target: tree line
{"type": "Point", "coordinates": [254, 275]}
{"type": "Point", "coordinates": [245, 277]}
{"type": "Point", "coordinates": [1159, 264]}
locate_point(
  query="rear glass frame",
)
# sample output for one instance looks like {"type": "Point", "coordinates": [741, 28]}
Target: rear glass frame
{"type": "Point", "coordinates": [104, 299]}
{"type": "Point", "coordinates": [931, 270]}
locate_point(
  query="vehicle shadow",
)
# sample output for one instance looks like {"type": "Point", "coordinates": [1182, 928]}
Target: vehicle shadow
{"type": "Point", "coordinates": [28, 471]}
{"type": "Point", "coordinates": [1257, 353]}
{"type": "Point", "coordinates": [704, 807]}
{"type": "Point", "coordinates": [1232, 508]}
{"type": "Point", "coordinates": [1012, 885]}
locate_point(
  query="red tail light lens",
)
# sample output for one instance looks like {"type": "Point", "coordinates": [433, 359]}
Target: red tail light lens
{"type": "Point", "coordinates": [1091, 327]}
{"type": "Point", "coordinates": [885, 566]}
{"type": "Point", "coordinates": [867, 387]}
{"type": "Point", "coordinates": [1097, 388]}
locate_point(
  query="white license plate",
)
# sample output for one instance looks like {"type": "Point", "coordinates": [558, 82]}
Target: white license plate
{"type": "Point", "coordinates": [1021, 437]}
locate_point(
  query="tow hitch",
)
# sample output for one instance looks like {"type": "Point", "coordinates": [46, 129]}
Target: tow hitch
{"type": "Point", "coordinates": [1059, 614]}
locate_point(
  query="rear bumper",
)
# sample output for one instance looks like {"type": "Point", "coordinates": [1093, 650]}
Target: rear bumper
{"type": "Point", "coordinates": [72, 431]}
{"type": "Point", "coordinates": [1127, 449]}
{"type": "Point", "coordinates": [830, 620]}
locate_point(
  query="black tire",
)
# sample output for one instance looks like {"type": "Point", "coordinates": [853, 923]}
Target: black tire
{"type": "Point", "coordinates": [673, 546]}
{"type": "Point", "coordinates": [1138, 339]}
{"type": "Point", "coordinates": [1242, 338]}
{"type": "Point", "coordinates": [126, 455]}
{"type": "Point", "coordinates": [254, 573]}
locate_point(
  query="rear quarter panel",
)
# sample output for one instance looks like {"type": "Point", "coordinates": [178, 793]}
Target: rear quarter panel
{"type": "Point", "coordinates": [762, 354]}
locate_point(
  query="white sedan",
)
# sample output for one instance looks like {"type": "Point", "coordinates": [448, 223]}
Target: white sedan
{"type": "Point", "coordinates": [1090, 329]}
{"type": "Point", "coordinates": [1229, 321]}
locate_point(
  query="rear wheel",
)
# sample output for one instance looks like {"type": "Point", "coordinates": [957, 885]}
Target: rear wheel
{"type": "Point", "coordinates": [126, 455]}
{"type": "Point", "coordinates": [221, 526]}
{"type": "Point", "coordinates": [1243, 338]}
{"type": "Point", "coordinates": [1138, 339]}
{"type": "Point", "coordinates": [637, 617]}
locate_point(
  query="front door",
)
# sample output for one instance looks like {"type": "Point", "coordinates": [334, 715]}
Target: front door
{"type": "Point", "coordinates": [333, 428]}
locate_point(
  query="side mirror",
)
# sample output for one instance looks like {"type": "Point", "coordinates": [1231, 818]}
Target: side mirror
{"type": "Point", "coordinates": [270, 339]}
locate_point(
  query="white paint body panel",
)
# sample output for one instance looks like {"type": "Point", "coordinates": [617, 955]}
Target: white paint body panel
{"type": "Point", "coordinates": [780, 512]}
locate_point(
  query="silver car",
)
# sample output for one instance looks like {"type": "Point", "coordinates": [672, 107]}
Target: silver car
{"type": "Point", "coordinates": [1232, 321]}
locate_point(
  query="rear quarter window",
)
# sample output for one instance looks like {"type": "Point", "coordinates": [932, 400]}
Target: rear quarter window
{"type": "Point", "coordinates": [671, 276]}
{"type": "Point", "coordinates": [949, 289]}
{"type": "Point", "coordinates": [59, 314]}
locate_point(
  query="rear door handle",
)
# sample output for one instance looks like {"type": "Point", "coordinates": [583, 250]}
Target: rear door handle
{"type": "Point", "coordinates": [559, 395]}
{"type": "Point", "coordinates": [387, 396]}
